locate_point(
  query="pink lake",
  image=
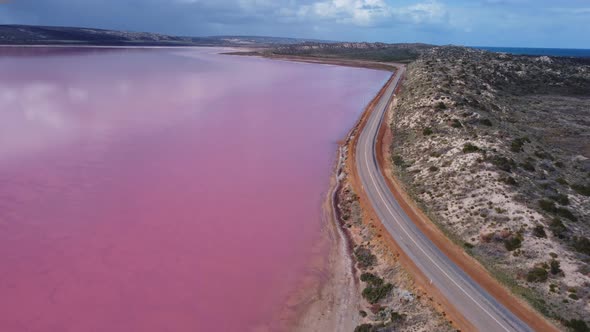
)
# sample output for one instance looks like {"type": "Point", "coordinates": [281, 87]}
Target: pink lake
{"type": "Point", "coordinates": [163, 189]}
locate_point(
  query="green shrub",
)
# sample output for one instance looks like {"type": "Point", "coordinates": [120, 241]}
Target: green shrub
{"type": "Point", "coordinates": [537, 274]}
{"type": "Point", "coordinates": [509, 180]}
{"type": "Point", "coordinates": [582, 244]}
{"type": "Point", "coordinates": [512, 243]}
{"type": "Point", "coordinates": [558, 228]}
{"type": "Point", "coordinates": [455, 123]}
{"type": "Point", "coordinates": [543, 155]}
{"type": "Point", "coordinates": [397, 317]}
{"type": "Point", "coordinates": [563, 212]}
{"type": "Point", "coordinates": [433, 168]}
{"type": "Point", "coordinates": [518, 143]}
{"type": "Point", "coordinates": [365, 328]}
{"type": "Point", "coordinates": [562, 181]}
{"type": "Point", "coordinates": [363, 313]}
{"type": "Point", "coordinates": [426, 131]}
{"type": "Point", "coordinates": [503, 163]}
{"type": "Point", "coordinates": [397, 160]}
{"type": "Point", "coordinates": [581, 189]}
{"type": "Point", "coordinates": [468, 245]}
{"type": "Point", "coordinates": [364, 257]}
{"type": "Point", "coordinates": [372, 279]}
{"type": "Point", "coordinates": [539, 231]}
{"type": "Point", "coordinates": [555, 267]}
{"type": "Point", "coordinates": [440, 106]}
{"type": "Point", "coordinates": [547, 205]}
{"type": "Point", "coordinates": [374, 293]}
{"type": "Point", "coordinates": [578, 325]}
{"type": "Point", "coordinates": [486, 122]}
{"type": "Point", "coordinates": [470, 148]}
{"type": "Point", "coordinates": [561, 199]}
{"type": "Point", "coordinates": [573, 296]}
{"type": "Point", "coordinates": [527, 166]}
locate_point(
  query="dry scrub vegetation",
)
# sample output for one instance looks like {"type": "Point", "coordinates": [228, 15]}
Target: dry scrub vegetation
{"type": "Point", "coordinates": [495, 149]}
{"type": "Point", "coordinates": [390, 301]}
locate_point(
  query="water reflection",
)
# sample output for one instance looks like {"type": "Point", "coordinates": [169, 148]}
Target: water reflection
{"type": "Point", "coordinates": [154, 190]}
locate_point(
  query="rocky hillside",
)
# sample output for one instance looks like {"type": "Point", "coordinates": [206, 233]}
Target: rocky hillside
{"type": "Point", "coordinates": [365, 51]}
{"type": "Point", "coordinates": [496, 148]}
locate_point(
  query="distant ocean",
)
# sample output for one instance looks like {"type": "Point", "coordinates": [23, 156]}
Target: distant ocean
{"type": "Point", "coordinates": [580, 53]}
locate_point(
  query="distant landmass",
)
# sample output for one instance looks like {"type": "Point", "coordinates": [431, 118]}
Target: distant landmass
{"type": "Point", "coordinates": [567, 52]}
{"type": "Point", "coordinates": [55, 35]}
{"type": "Point", "coordinates": [50, 35]}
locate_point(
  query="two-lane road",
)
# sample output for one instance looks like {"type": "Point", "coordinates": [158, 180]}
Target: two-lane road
{"type": "Point", "coordinates": [472, 301]}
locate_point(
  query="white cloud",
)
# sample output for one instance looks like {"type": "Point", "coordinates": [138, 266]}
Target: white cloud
{"type": "Point", "coordinates": [431, 12]}
{"type": "Point", "coordinates": [369, 12]}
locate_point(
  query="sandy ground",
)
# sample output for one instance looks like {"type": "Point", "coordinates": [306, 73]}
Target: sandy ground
{"type": "Point", "coordinates": [334, 304]}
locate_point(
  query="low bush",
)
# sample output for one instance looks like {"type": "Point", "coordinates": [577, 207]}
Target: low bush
{"type": "Point", "coordinates": [539, 231]}
{"type": "Point", "coordinates": [563, 212]}
{"type": "Point", "coordinates": [558, 228]}
{"type": "Point", "coordinates": [561, 199]}
{"type": "Point", "coordinates": [517, 144]}
{"type": "Point", "coordinates": [537, 274]}
{"type": "Point", "coordinates": [527, 166]}
{"type": "Point", "coordinates": [372, 279]}
{"type": "Point", "coordinates": [470, 148]}
{"type": "Point", "coordinates": [397, 160]}
{"type": "Point", "coordinates": [440, 106]}
{"type": "Point", "coordinates": [513, 242]}
{"type": "Point", "coordinates": [543, 155]}
{"type": "Point", "coordinates": [426, 131]}
{"type": "Point", "coordinates": [578, 325]}
{"type": "Point", "coordinates": [364, 257]}
{"type": "Point", "coordinates": [581, 189]}
{"type": "Point", "coordinates": [503, 163]}
{"type": "Point", "coordinates": [397, 317]}
{"type": "Point", "coordinates": [581, 244]}
{"type": "Point", "coordinates": [555, 267]}
{"type": "Point", "coordinates": [562, 181]}
{"type": "Point", "coordinates": [456, 123]}
{"type": "Point", "coordinates": [374, 293]}
{"type": "Point", "coordinates": [547, 205]}
{"type": "Point", "coordinates": [365, 328]}
{"type": "Point", "coordinates": [509, 180]}
{"type": "Point", "coordinates": [486, 122]}
{"type": "Point", "coordinates": [433, 168]}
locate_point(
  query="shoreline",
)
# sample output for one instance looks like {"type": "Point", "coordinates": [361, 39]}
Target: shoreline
{"type": "Point", "coordinates": [340, 293]}
{"type": "Point", "coordinates": [468, 263]}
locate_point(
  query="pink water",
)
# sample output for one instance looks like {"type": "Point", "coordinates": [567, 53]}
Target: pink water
{"type": "Point", "coordinates": [162, 190]}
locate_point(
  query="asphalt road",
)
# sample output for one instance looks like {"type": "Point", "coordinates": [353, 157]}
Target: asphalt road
{"type": "Point", "coordinates": [476, 305]}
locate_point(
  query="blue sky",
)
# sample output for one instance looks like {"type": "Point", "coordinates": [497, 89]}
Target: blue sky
{"type": "Point", "coordinates": [532, 23]}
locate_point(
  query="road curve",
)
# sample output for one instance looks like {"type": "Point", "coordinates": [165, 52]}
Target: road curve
{"type": "Point", "coordinates": [471, 300]}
